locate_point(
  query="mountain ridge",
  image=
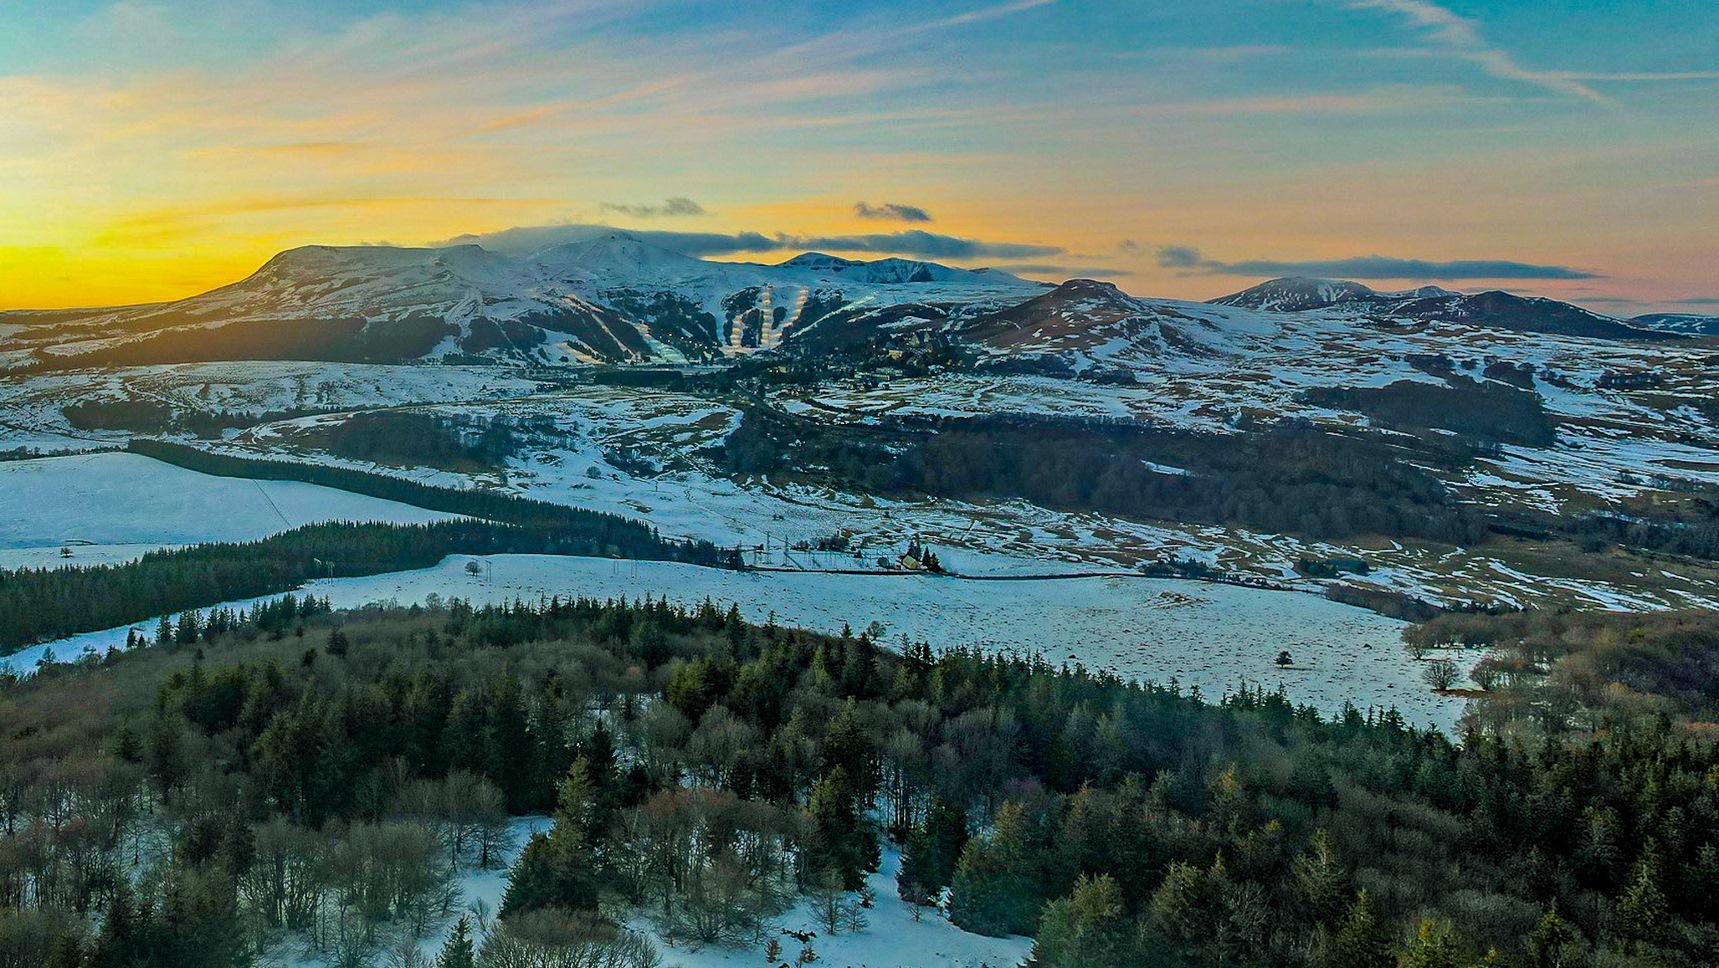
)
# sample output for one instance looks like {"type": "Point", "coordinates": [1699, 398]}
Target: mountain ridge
{"type": "Point", "coordinates": [1494, 308]}
{"type": "Point", "coordinates": [616, 298]}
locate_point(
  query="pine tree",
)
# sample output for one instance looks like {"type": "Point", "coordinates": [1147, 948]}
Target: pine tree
{"type": "Point", "coordinates": [1434, 946]}
{"type": "Point", "coordinates": [462, 738]}
{"type": "Point", "coordinates": [1362, 942]}
{"type": "Point", "coordinates": [1643, 910]}
{"type": "Point", "coordinates": [1320, 885]}
{"type": "Point", "coordinates": [576, 812]}
{"type": "Point", "coordinates": [841, 842]}
{"type": "Point", "coordinates": [1555, 943]}
{"type": "Point", "coordinates": [509, 744]}
{"type": "Point", "coordinates": [991, 893]}
{"type": "Point", "coordinates": [932, 851]}
{"type": "Point", "coordinates": [549, 875]}
{"type": "Point", "coordinates": [1088, 929]}
{"type": "Point", "coordinates": [187, 629]}
{"type": "Point", "coordinates": [119, 942]}
{"type": "Point", "coordinates": [126, 745]}
{"type": "Point", "coordinates": [457, 951]}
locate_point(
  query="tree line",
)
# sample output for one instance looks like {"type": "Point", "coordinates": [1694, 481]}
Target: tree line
{"type": "Point", "coordinates": [51, 603]}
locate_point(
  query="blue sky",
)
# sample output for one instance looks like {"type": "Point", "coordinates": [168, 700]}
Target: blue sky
{"type": "Point", "coordinates": [150, 149]}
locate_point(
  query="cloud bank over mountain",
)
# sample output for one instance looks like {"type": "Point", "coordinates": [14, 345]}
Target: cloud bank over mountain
{"type": "Point", "coordinates": [914, 243]}
{"type": "Point", "coordinates": [1192, 260]}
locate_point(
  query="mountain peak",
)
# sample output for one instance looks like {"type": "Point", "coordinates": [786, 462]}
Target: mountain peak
{"type": "Point", "coordinates": [819, 260]}
{"type": "Point", "coordinates": [1296, 293]}
{"type": "Point", "coordinates": [615, 253]}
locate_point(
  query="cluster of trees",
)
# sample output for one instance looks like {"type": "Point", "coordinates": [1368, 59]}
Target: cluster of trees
{"type": "Point", "coordinates": [153, 417]}
{"type": "Point", "coordinates": [37, 453]}
{"type": "Point", "coordinates": [706, 771]}
{"type": "Point", "coordinates": [1694, 532]}
{"type": "Point", "coordinates": [1490, 411]}
{"type": "Point", "coordinates": [1555, 671]}
{"type": "Point", "coordinates": [415, 439]}
{"type": "Point", "coordinates": [1287, 478]}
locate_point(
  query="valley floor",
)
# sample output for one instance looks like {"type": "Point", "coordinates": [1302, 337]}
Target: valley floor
{"type": "Point", "coordinates": [1212, 636]}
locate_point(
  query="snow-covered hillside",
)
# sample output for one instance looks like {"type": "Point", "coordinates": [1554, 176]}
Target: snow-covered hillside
{"type": "Point", "coordinates": [88, 504]}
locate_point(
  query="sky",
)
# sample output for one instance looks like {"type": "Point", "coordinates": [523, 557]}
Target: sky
{"type": "Point", "coordinates": [153, 150]}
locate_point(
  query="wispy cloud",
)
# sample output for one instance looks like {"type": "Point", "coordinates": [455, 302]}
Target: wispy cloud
{"type": "Point", "coordinates": [1383, 101]}
{"type": "Point", "coordinates": [1192, 260]}
{"type": "Point", "coordinates": [676, 207]}
{"type": "Point", "coordinates": [929, 245]}
{"type": "Point", "coordinates": [1461, 37]}
{"type": "Point", "coordinates": [988, 13]}
{"type": "Point", "coordinates": [891, 212]}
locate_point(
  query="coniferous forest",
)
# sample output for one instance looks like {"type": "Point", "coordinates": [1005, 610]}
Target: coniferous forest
{"type": "Point", "coordinates": [291, 776]}
{"type": "Point", "coordinates": [51, 603]}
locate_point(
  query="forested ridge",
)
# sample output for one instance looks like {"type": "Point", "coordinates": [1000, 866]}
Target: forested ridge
{"type": "Point", "coordinates": [51, 603]}
{"type": "Point", "coordinates": [1285, 478]}
{"type": "Point", "coordinates": [298, 775]}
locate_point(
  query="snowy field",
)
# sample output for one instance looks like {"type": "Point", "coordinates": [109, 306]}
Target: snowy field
{"type": "Point", "coordinates": [32, 415]}
{"type": "Point", "coordinates": [112, 507]}
{"type": "Point", "coordinates": [1205, 635]}
{"type": "Point", "coordinates": [891, 939]}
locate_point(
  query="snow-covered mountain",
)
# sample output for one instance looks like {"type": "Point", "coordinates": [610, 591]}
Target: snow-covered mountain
{"type": "Point", "coordinates": [1689, 324]}
{"type": "Point", "coordinates": [612, 298]}
{"type": "Point", "coordinates": [617, 298]}
{"type": "Point", "coordinates": [1090, 327]}
{"type": "Point", "coordinates": [1494, 309]}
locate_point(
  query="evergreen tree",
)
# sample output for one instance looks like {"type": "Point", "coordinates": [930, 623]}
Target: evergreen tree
{"type": "Point", "coordinates": [1321, 889]}
{"type": "Point", "coordinates": [188, 628]}
{"type": "Point", "coordinates": [1555, 943]}
{"type": "Point", "coordinates": [992, 892]}
{"type": "Point", "coordinates": [1434, 946]}
{"type": "Point", "coordinates": [841, 841]}
{"type": "Point", "coordinates": [549, 875]}
{"type": "Point", "coordinates": [120, 943]}
{"type": "Point", "coordinates": [1361, 942]}
{"type": "Point", "coordinates": [457, 951]}
{"type": "Point", "coordinates": [1088, 929]}
{"type": "Point", "coordinates": [1643, 911]}
{"type": "Point", "coordinates": [933, 849]}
